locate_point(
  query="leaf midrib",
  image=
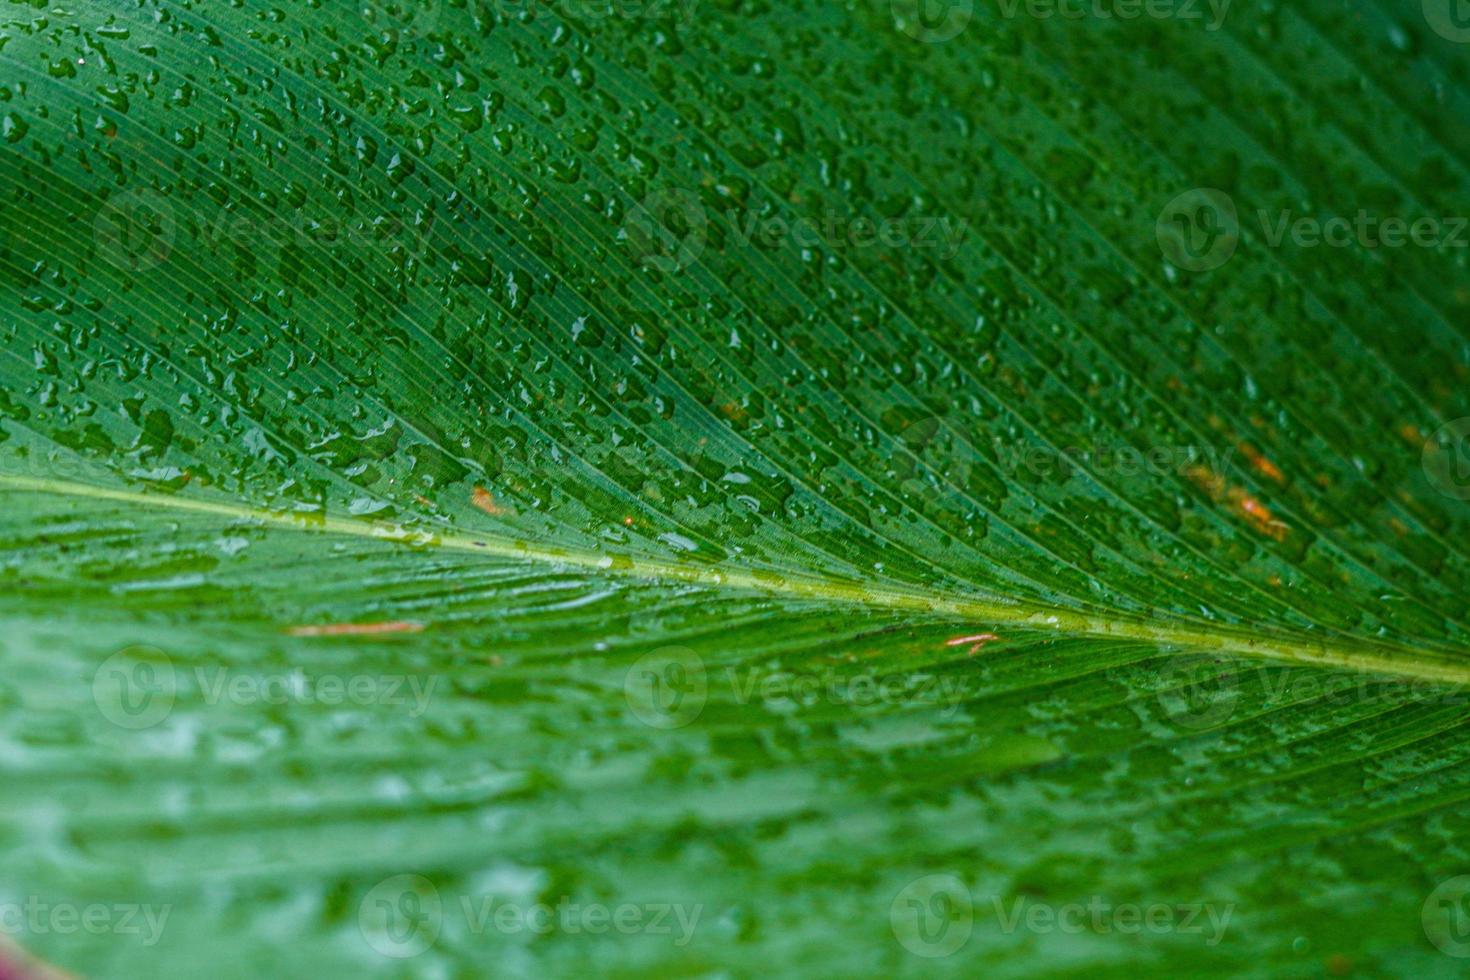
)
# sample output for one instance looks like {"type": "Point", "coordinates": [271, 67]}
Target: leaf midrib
{"type": "Point", "coordinates": [1421, 662]}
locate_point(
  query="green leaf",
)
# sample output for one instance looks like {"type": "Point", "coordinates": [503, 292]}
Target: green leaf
{"type": "Point", "coordinates": [534, 489]}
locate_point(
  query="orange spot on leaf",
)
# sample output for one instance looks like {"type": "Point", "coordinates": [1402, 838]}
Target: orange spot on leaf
{"type": "Point", "coordinates": [977, 642]}
{"type": "Point", "coordinates": [1207, 480]}
{"type": "Point", "coordinates": [1258, 515]}
{"type": "Point", "coordinates": [483, 499]}
{"type": "Point", "coordinates": [733, 411]}
{"type": "Point", "coordinates": [1261, 464]}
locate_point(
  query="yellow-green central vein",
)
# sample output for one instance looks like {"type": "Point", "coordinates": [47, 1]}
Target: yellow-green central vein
{"type": "Point", "coordinates": [985, 611]}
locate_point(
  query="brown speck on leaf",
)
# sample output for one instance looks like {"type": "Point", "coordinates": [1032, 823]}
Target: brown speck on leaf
{"type": "Point", "coordinates": [1261, 464]}
{"type": "Point", "coordinates": [356, 629]}
{"type": "Point", "coordinates": [1207, 480]}
{"type": "Point", "coordinates": [977, 642]}
{"type": "Point", "coordinates": [484, 500]}
{"type": "Point", "coordinates": [1256, 514]}
{"type": "Point", "coordinates": [733, 411]}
